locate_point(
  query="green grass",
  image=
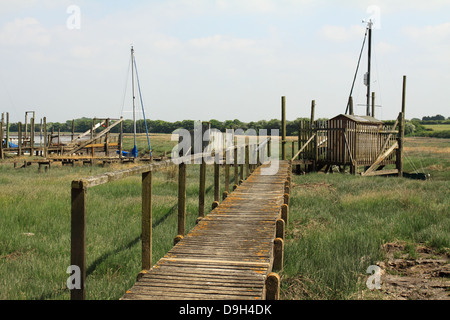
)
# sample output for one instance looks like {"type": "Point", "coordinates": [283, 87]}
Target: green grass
{"type": "Point", "coordinates": [339, 222]}
{"type": "Point", "coordinates": [34, 266]}
{"type": "Point", "coordinates": [160, 143]}
{"type": "Point", "coordinates": [437, 127]}
{"type": "Point", "coordinates": [35, 227]}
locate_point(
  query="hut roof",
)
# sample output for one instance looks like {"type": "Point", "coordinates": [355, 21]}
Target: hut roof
{"type": "Point", "coordinates": [360, 119]}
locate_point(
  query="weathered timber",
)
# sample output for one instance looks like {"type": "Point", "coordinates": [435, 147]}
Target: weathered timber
{"type": "Point", "coordinates": [230, 253]}
{"type": "Point", "coordinates": [380, 159]}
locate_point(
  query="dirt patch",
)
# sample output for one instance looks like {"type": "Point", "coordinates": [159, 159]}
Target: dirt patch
{"type": "Point", "coordinates": [414, 272]}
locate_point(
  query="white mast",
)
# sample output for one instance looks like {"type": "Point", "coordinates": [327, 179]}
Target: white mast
{"type": "Point", "coordinates": [134, 98]}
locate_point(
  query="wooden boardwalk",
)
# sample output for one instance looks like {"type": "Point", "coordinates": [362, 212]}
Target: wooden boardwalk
{"type": "Point", "coordinates": [228, 254]}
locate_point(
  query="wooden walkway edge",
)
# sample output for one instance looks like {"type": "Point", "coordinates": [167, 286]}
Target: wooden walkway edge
{"type": "Point", "coordinates": [230, 253]}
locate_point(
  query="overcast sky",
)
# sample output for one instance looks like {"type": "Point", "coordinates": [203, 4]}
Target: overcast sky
{"type": "Point", "coordinates": [220, 59]}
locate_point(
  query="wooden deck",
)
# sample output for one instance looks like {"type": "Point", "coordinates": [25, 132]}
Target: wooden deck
{"type": "Point", "coordinates": [228, 254]}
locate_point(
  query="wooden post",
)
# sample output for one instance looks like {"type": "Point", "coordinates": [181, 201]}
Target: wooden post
{"type": "Point", "coordinates": [373, 104]}
{"type": "Point", "coordinates": [45, 138]}
{"type": "Point", "coordinates": [227, 177]}
{"type": "Point", "coordinates": [41, 150]}
{"type": "Point", "coordinates": [278, 253]}
{"type": "Point", "coordinates": [286, 186]}
{"type": "Point", "coordinates": [283, 128]}
{"type": "Point", "coordinates": [26, 127]}
{"type": "Point", "coordinates": [121, 139]}
{"type": "Point", "coordinates": [247, 161]}
{"type": "Point", "coordinates": [78, 236]}
{"type": "Point", "coordinates": [236, 167]}
{"type": "Point", "coordinates": [107, 140]}
{"type": "Point", "coordinates": [202, 190]}
{"type": "Point", "coordinates": [19, 142]}
{"type": "Point", "coordinates": [351, 104]}
{"type": "Point", "coordinates": [147, 220]}
{"type": "Point", "coordinates": [293, 149]}
{"type": "Point", "coordinates": [399, 154]}
{"type": "Point", "coordinates": [7, 130]}
{"type": "Point", "coordinates": [272, 286]}
{"type": "Point", "coordinates": [181, 199]}
{"type": "Point", "coordinates": [31, 136]}
{"type": "Point", "coordinates": [286, 198]}
{"type": "Point", "coordinates": [59, 137]}
{"type": "Point", "coordinates": [1, 140]}
{"type": "Point", "coordinates": [280, 226]}
{"type": "Point", "coordinates": [285, 213]}
{"type": "Point", "coordinates": [313, 110]}
{"type": "Point", "coordinates": [401, 131]}
{"type": "Point", "coordinates": [316, 148]}
{"type": "Point", "coordinates": [73, 130]}
{"type": "Point", "coordinates": [216, 182]}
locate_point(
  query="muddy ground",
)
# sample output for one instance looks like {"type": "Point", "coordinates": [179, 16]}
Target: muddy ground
{"type": "Point", "coordinates": [413, 272]}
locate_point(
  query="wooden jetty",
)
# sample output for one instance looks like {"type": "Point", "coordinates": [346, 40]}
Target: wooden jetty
{"type": "Point", "coordinates": [231, 252]}
{"type": "Point", "coordinates": [55, 143]}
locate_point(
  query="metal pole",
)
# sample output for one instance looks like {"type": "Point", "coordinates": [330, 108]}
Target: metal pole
{"type": "Point", "coordinates": [134, 98]}
{"type": "Point", "coordinates": [369, 26]}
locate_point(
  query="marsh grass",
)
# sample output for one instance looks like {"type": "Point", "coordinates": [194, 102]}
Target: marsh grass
{"type": "Point", "coordinates": [337, 226]}
{"type": "Point", "coordinates": [35, 229]}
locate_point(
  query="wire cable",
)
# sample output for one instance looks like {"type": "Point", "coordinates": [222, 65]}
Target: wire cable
{"type": "Point", "coordinates": [356, 73]}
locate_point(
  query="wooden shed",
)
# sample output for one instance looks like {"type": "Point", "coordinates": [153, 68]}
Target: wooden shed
{"type": "Point", "coordinates": [348, 140]}
{"type": "Point", "coordinates": [353, 138]}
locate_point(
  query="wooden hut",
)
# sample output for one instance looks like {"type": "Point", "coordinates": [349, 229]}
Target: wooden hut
{"type": "Point", "coordinates": [353, 138]}
{"type": "Point", "coordinates": [349, 140]}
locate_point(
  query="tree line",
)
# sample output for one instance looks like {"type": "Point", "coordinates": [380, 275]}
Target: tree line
{"type": "Point", "coordinates": [412, 127]}
{"type": "Point", "coordinates": [161, 126]}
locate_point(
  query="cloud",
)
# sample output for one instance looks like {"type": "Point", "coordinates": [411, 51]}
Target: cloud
{"type": "Point", "coordinates": [342, 34]}
{"type": "Point", "coordinates": [385, 48]}
{"type": "Point", "coordinates": [434, 33]}
{"type": "Point", "coordinates": [222, 42]}
{"type": "Point", "coordinates": [26, 31]}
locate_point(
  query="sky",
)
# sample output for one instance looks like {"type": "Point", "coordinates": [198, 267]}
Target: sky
{"type": "Point", "coordinates": [221, 59]}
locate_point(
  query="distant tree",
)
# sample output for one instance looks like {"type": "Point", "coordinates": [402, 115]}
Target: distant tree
{"type": "Point", "coordinates": [409, 128]}
{"type": "Point", "coordinates": [436, 117]}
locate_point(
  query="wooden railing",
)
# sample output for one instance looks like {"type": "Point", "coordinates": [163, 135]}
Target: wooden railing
{"type": "Point", "coordinates": [81, 186]}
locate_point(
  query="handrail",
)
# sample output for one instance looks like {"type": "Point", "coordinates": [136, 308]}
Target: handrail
{"type": "Point", "coordinates": [120, 174]}
{"type": "Point", "coordinates": [79, 208]}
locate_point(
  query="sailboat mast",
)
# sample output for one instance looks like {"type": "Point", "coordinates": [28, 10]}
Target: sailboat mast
{"type": "Point", "coordinates": [134, 97]}
{"type": "Point", "coordinates": [369, 26]}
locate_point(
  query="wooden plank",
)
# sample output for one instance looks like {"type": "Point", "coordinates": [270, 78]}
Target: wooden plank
{"type": "Point", "coordinates": [381, 172]}
{"type": "Point", "coordinates": [380, 159]}
{"type": "Point", "coordinates": [89, 141]}
{"type": "Point", "coordinates": [303, 147]}
{"type": "Point", "coordinates": [228, 254]}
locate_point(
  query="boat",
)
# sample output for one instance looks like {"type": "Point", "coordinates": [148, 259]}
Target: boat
{"type": "Point", "coordinates": [135, 78]}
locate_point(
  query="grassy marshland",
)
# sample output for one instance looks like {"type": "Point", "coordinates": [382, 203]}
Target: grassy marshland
{"type": "Point", "coordinates": [337, 225]}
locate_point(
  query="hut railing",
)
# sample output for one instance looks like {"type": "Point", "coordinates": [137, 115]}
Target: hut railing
{"type": "Point", "coordinates": [345, 143]}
